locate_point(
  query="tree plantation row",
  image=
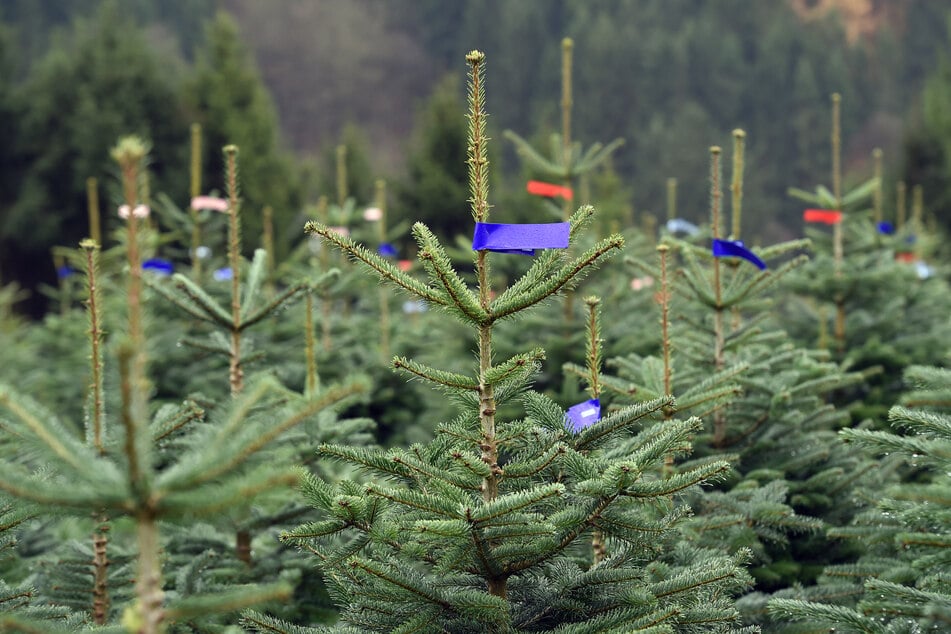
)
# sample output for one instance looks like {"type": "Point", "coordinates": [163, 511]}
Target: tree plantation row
{"type": "Point", "coordinates": [564, 423]}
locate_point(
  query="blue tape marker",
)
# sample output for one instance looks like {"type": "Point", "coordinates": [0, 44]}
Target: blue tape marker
{"type": "Point", "coordinates": [387, 250]}
{"type": "Point", "coordinates": [735, 248]}
{"type": "Point", "coordinates": [584, 414]}
{"type": "Point", "coordinates": [886, 228]}
{"type": "Point", "coordinates": [520, 238]}
{"type": "Point", "coordinates": [222, 275]}
{"type": "Point", "coordinates": [158, 266]}
{"type": "Point", "coordinates": [64, 271]}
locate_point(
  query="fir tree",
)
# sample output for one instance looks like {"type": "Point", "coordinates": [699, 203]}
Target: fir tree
{"type": "Point", "coordinates": [155, 466]}
{"type": "Point", "coordinates": [233, 106]}
{"type": "Point", "coordinates": [725, 358]}
{"type": "Point", "coordinates": [900, 583]}
{"type": "Point", "coordinates": [488, 527]}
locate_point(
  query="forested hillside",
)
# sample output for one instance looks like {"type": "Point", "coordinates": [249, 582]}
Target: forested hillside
{"type": "Point", "coordinates": [669, 76]}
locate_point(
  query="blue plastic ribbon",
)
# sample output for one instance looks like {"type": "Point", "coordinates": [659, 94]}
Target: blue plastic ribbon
{"type": "Point", "coordinates": [736, 248]}
{"type": "Point", "coordinates": [678, 225]}
{"type": "Point", "coordinates": [520, 238]}
{"type": "Point", "coordinates": [387, 250]}
{"type": "Point", "coordinates": [886, 228]}
{"type": "Point", "coordinates": [584, 414]}
{"type": "Point", "coordinates": [158, 266]}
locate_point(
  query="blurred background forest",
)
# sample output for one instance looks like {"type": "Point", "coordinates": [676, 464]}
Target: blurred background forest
{"type": "Point", "coordinates": [289, 81]}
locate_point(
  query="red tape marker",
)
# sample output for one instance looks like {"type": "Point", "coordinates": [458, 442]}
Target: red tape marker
{"type": "Point", "coordinates": [905, 257]}
{"type": "Point", "coordinates": [548, 190]}
{"type": "Point", "coordinates": [827, 216]}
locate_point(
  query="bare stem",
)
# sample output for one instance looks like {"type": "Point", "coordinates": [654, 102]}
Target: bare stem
{"type": "Point", "coordinates": [719, 420]}
{"type": "Point", "coordinates": [663, 249]}
{"type": "Point", "coordinates": [490, 452]}
{"type": "Point", "coordinates": [736, 188]}
{"type": "Point", "coordinates": [100, 591]}
{"type": "Point", "coordinates": [311, 385]}
{"type": "Point", "coordinates": [92, 208]}
{"type": "Point", "coordinates": [100, 539]}
{"type": "Point", "coordinates": [838, 251]}
{"type": "Point", "coordinates": [195, 190]}
{"type": "Point", "coordinates": [235, 372]}
{"type": "Point", "coordinates": [267, 242]}
{"type": "Point", "coordinates": [95, 340]}
{"type": "Point", "coordinates": [384, 294]}
{"type": "Point", "coordinates": [671, 198]}
{"type": "Point", "coordinates": [325, 304]}
{"type": "Point", "coordinates": [566, 49]}
{"type": "Point", "coordinates": [342, 192]}
{"type": "Point", "coordinates": [879, 194]}
{"type": "Point", "coordinates": [148, 583]}
{"type": "Point", "coordinates": [837, 179]}
{"type": "Point", "coordinates": [567, 46]}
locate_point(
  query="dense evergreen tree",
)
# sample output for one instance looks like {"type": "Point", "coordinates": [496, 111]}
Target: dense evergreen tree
{"type": "Point", "coordinates": [487, 528]}
{"type": "Point", "coordinates": [928, 146]}
{"type": "Point", "coordinates": [900, 583]}
{"type": "Point", "coordinates": [102, 83]}
{"type": "Point", "coordinates": [9, 111]}
{"type": "Point", "coordinates": [227, 97]}
{"type": "Point", "coordinates": [434, 191]}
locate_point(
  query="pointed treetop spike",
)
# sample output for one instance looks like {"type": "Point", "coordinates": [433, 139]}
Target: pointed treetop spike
{"type": "Point", "coordinates": [739, 134]}
{"type": "Point", "coordinates": [567, 44]}
{"type": "Point", "coordinates": [592, 300]}
{"type": "Point", "coordinates": [663, 248]}
{"type": "Point", "coordinates": [475, 57]}
{"type": "Point", "coordinates": [715, 149]}
{"type": "Point", "coordinates": [877, 153]}
{"type": "Point", "coordinates": [230, 149]}
{"type": "Point", "coordinates": [836, 97]}
{"type": "Point", "coordinates": [88, 244]}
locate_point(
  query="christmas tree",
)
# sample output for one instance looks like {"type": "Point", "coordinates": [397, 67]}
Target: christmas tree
{"type": "Point", "coordinates": [489, 527]}
{"type": "Point", "coordinates": [900, 582]}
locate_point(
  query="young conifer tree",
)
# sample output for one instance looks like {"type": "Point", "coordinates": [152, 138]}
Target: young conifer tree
{"type": "Point", "coordinates": [568, 161]}
{"type": "Point", "coordinates": [568, 164]}
{"type": "Point", "coordinates": [488, 527]}
{"type": "Point", "coordinates": [901, 581]}
{"type": "Point", "coordinates": [154, 466]}
{"type": "Point", "coordinates": [725, 357]}
{"type": "Point", "coordinates": [870, 279]}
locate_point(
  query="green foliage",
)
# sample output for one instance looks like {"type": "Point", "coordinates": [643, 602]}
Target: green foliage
{"type": "Point", "coordinates": [900, 582]}
{"type": "Point", "coordinates": [483, 528]}
{"type": "Point", "coordinates": [434, 190]}
{"type": "Point", "coordinates": [113, 85]}
{"type": "Point", "coordinates": [927, 151]}
{"type": "Point", "coordinates": [226, 95]}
